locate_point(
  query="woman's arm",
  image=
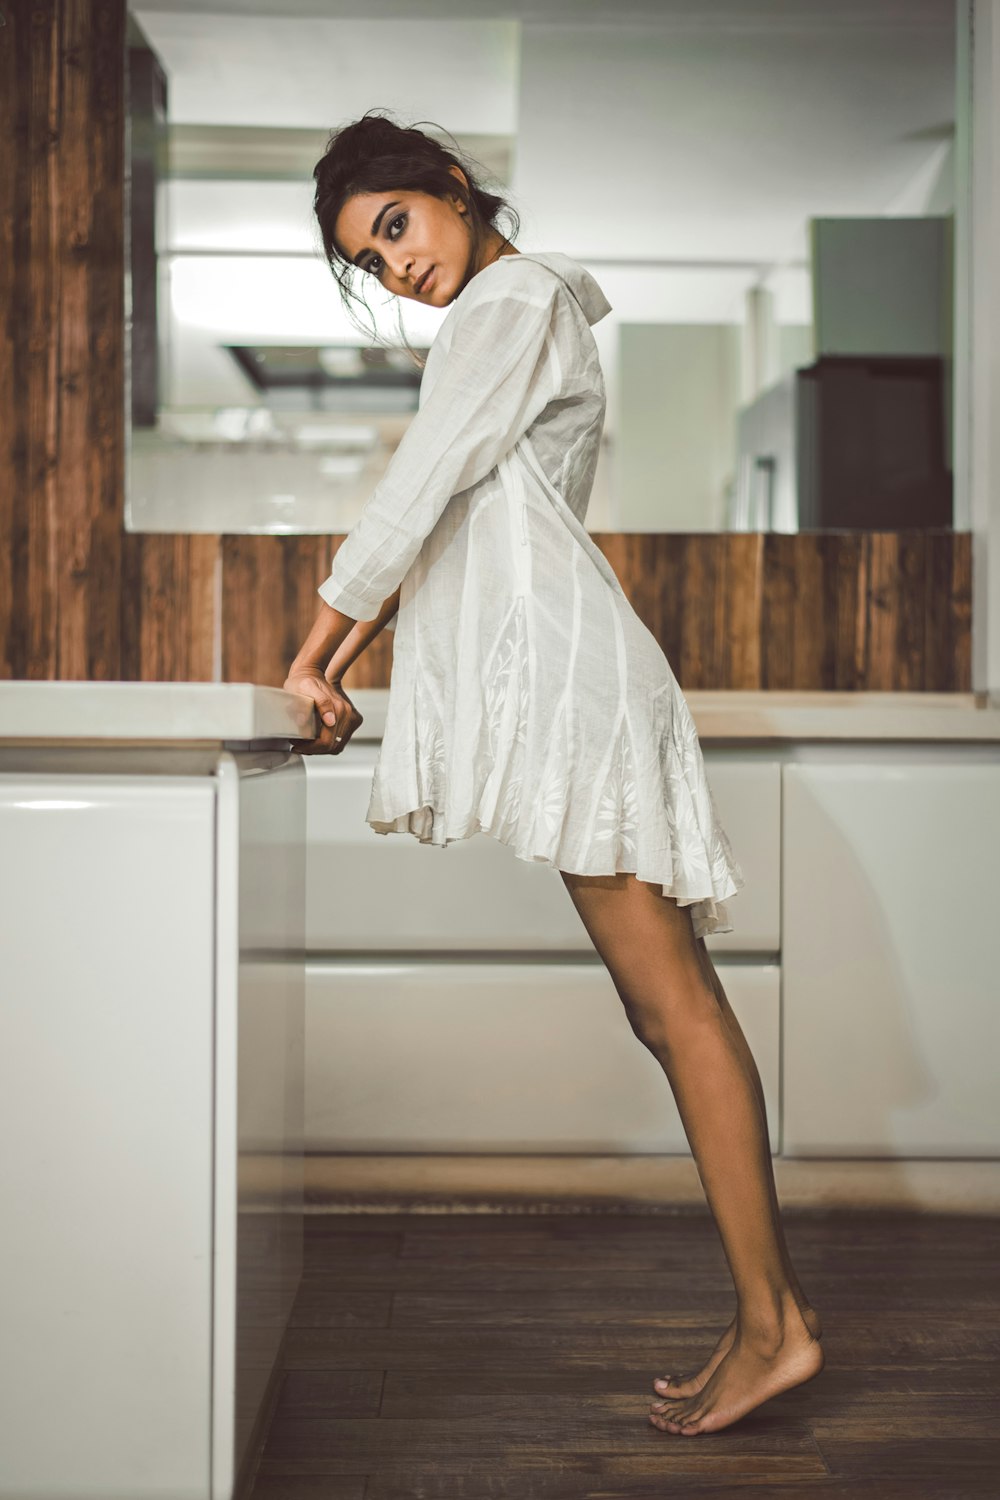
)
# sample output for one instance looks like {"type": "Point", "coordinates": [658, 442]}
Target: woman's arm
{"type": "Point", "coordinates": [359, 639]}
{"type": "Point", "coordinates": [497, 378]}
{"type": "Point", "coordinates": [346, 638]}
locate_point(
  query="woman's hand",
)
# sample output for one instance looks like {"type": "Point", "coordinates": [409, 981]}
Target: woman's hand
{"type": "Point", "coordinates": [339, 716]}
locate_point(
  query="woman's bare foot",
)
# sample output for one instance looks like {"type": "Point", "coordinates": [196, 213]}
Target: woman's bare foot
{"type": "Point", "coordinates": [677, 1387]}
{"type": "Point", "coordinates": [754, 1370]}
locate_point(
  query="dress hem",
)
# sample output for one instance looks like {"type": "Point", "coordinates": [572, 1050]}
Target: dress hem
{"type": "Point", "coordinates": [710, 917]}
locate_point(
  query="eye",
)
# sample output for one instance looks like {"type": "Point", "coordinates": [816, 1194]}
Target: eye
{"type": "Point", "coordinates": [399, 219]}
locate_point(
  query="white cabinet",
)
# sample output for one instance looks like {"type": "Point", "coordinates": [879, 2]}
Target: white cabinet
{"type": "Point", "coordinates": [151, 1100]}
{"type": "Point", "coordinates": [891, 953]}
{"type": "Point", "coordinates": [519, 1056]}
{"type": "Point", "coordinates": [499, 1030]}
{"type": "Point", "coordinates": [388, 892]}
{"type": "Point", "coordinates": [106, 1109]}
{"type": "Point", "coordinates": [455, 1003]}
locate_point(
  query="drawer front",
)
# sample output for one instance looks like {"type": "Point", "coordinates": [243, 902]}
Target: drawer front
{"type": "Point", "coordinates": [370, 891]}
{"type": "Point", "coordinates": [427, 1056]}
{"type": "Point", "coordinates": [892, 1029]}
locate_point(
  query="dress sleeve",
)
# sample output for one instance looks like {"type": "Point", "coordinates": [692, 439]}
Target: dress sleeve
{"type": "Point", "coordinates": [498, 376]}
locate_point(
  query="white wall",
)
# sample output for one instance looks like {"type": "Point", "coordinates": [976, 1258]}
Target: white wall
{"type": "Point", "coordinates": [676, 446]}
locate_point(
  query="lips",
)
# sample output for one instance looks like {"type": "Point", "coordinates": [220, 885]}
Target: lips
{"type": "Point", "coordinates": [419, 286]}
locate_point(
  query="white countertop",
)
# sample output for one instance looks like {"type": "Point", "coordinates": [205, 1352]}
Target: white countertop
{"type": "Point", "coordinates": [240, 712]}
{"type": "Point", "coordinates": [158, 712]}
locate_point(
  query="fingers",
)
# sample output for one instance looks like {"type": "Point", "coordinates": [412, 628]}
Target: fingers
{"type": "Point", "coordinates": [338, 717]}
{"type": "Point", "coordinates": [325, 743]}
{"type": "Point", "coordinates": [338, 726]}
{"type": "Point", "coordinates": [337, 734]}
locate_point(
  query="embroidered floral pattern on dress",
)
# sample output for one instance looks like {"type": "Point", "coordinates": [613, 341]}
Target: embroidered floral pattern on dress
{"type": "Point", "coordinates": [616, 822]}
{"type": "Point", "coordinates": [552, 802]}
{"type": "Point", "coordinates": [505, 719]}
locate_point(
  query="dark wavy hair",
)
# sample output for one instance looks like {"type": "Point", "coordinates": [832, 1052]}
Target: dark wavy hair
{"type": "Point", "coordinates": [374, 154]}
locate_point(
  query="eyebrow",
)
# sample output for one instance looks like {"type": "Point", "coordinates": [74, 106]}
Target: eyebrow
{"type": "Point", "coordinates": [378, 219]}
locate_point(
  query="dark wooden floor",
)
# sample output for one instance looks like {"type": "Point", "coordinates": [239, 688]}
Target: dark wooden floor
{"type": "Point", "coordinates": [476, 1356]}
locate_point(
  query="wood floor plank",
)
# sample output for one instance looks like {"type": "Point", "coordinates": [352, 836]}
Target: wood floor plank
{"type": "Point", "coordinates": [324, 1306]}
{"type": "Point", "coordinates": [435, 1395]}
{"type": "Point", "coordinates": [937, 1458]}
{"type": "Point", "coordinates": [639, 1348]}
{"type": "Point", "coordinates": [310, 1487]}
{"type": "Point", "coordinates": [330, 1393]}
{"type": "Point", "coordinates": [543, 1437]}
{"type": "Point", "coordinates": [598, 1479]}
{"type": "Point", "coordinates": [832, 1488]}
{"type": "Point", "coordinates": [557, 1306]}
{"type": "Point", "coordinates": [382, 1271]}
{"type": "Point", "coordinates": [891, 1416]}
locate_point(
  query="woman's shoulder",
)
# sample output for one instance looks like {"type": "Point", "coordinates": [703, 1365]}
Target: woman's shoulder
{"type": "Point", "coordinates": [527, 283]}
{"type": "Point", "coordinates": [540, 279]}
{"type": "Point", "coordinates": [511, 275]}
{"type": "Point", "coordinates": [521, 281]}
{"type": "Point", "coordinates": [520, 275]}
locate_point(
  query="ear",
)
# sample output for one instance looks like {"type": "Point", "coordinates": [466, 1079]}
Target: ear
{"type": "Point", "coordinates": [456, 171]}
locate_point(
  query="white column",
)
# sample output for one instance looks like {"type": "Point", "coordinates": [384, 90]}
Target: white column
{"type": "Point", "coordinates": [977, 455]}
{"type": "Point", "coordinates": [760, 343]}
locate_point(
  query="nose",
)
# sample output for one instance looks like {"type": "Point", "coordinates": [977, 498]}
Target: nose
{"type": "Point", "coordinates": [402, 266]}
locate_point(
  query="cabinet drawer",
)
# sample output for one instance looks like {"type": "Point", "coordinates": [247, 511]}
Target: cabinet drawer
{"type": "Point", "coordinates": [499, 1057]}
{"type": "Point", "coordinates": [370, 891]}
{"type": "Point", "coordinates": [892, 868]}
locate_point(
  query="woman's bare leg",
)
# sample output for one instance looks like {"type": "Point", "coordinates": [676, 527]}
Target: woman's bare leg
{"type": "Point", "coordinates": [664, 978]}
{"type": "Point", "coordinates": [691, 1381]}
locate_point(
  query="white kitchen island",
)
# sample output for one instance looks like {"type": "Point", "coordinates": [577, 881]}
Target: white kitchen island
{"type": "Point", "coordinates": [152, 897]}
{"type": "Point", "coordinates": [464, 1040]}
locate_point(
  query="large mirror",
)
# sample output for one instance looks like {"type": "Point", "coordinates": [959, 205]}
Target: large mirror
{"type": "Point", "coordinates": [770, 195]}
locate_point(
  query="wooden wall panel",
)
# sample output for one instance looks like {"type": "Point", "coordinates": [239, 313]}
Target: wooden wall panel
{"type": "Point", "coordinates": [61, 243]}
{"type": "Point", "coordinates": [170, 590]}
{"type": "Point", "coordinates": [269, 603]}
{"type": "Point", "coordinates": [948, 613]}
{"type": "Point", "coordinates": [81, 598]}
{"type": "Point", "coordinates": [843, 611]}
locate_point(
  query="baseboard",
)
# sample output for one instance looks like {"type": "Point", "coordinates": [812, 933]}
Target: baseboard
{"type": "Point", "coordinates": [369, 1183]}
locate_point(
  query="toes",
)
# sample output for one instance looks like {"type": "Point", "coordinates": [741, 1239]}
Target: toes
{"type": "Point", "coordinates": [666, 1419]}
{"type": "Point", "coordinates": [676, 1416]}
{"type": "Point", "coordinates": [690, 1419]}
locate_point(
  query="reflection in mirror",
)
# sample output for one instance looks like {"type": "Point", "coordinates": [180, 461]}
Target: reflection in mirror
{"type": "Point", "coordinates": [767, 198]}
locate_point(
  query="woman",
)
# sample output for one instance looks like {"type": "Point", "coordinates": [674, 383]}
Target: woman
{"type": "Point", "coordinates": [527, 699]}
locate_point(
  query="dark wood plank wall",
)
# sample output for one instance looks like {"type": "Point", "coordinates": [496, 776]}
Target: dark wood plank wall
{"type": "Point", "coordinates": [61, 102]}
{"type": "Point", "coordinates": [824, 610]}
{"type": "Point", "coordinates": [82, 598]}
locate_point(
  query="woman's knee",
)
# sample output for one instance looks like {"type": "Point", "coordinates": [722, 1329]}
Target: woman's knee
{"type": "Point", "coordinates": [661, 971]}
{"type": "Point", "coordinates": [672, 1013]}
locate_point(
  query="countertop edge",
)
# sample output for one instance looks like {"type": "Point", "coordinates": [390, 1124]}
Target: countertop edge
{"type": "Point", "coordinates": [174, 713]}
{"type": "Point", "coordinates": [237, 714]}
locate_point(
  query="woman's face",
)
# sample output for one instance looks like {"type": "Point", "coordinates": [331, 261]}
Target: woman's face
{"type": "Point", "coordinates": [400, 237]}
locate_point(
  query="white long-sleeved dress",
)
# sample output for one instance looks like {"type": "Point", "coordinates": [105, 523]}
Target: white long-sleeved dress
{"type": "Point", "coordinates": [527, 700]}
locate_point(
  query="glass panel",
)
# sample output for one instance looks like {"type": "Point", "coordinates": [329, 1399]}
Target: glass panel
{"type": "Point", "coordinates": [766, 194]}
